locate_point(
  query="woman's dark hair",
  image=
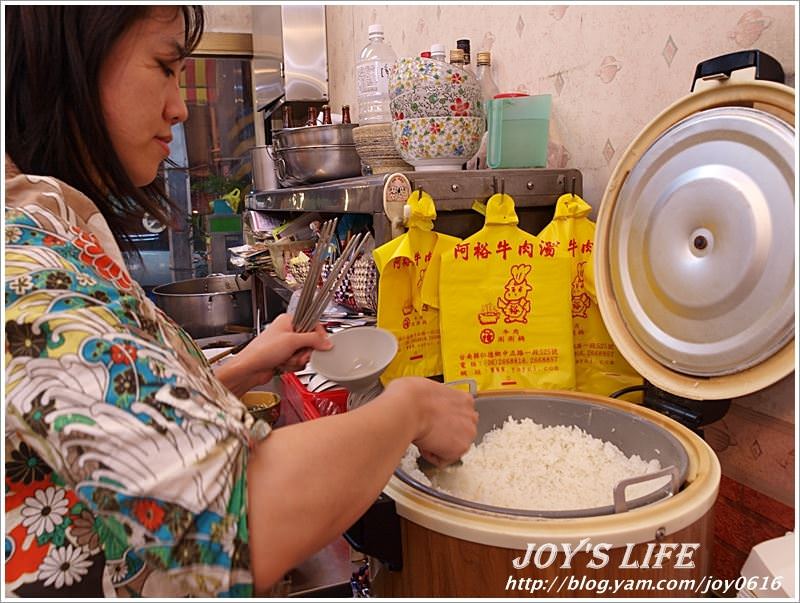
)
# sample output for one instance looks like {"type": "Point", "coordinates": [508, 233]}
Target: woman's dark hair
{"type": "Point", "coordinates": [54, 124]}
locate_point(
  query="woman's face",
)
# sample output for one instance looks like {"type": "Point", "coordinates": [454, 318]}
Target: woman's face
{"type": "Point", "coordinates": [139, 92]}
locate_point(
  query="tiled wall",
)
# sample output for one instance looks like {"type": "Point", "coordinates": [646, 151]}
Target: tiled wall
{"type": "Point", "coordinates": [229, 18]}
{"type": "Point", "coordinates": [610, 70]}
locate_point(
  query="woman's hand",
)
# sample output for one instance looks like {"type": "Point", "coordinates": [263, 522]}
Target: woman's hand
{"type": "Point", "coordinates": [279, 346]}
{"type": "Point", "coordinates": [448, 420]}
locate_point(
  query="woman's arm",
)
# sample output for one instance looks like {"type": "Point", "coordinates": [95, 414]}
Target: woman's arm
{"type": "Point", "coordinates": [309, 482]}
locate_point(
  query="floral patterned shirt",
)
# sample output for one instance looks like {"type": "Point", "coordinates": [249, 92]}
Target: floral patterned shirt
{"type": "Point", "coordinates": [125, 456]}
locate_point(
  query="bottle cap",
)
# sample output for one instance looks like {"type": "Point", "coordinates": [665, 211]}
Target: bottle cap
{"type": "Point", "coordinates": [437, 48]}
{"type": "Point", "coordinates": [425, 54]}
{"type": "Point", "coordinates": [484, 58]}
{"type": "Point", "coordinates": [457, 55]}
{"type": "Point", "coordinates": [462, 43]}
{"type": "Point", "coordinates": [375, 28]}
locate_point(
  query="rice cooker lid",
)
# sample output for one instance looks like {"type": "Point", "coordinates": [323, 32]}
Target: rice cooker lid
{"type": "Point", "coordinates": [695, 244]}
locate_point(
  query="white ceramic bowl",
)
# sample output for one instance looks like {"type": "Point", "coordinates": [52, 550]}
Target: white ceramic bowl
{"type": "Point", "coordinates": [438, 100]}
{"type": "Point", "coordinates": [441, 143]}
{"type": "Point", "coordinates": [358, 357]}
{"type": "Point", "coordinates": [409, 73]}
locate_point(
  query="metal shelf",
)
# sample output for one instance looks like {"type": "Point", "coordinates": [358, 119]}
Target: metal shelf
{"type": "Point", "coordinates": [453, 191]}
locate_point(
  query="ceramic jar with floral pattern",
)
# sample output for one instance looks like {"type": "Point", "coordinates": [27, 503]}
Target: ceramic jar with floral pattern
{"type": "Point", "coordinates": [438, 142]}
{"type": "Point", "coordinates": [438, 101]}
{"type": "Point", "coordinates": [411, 73]}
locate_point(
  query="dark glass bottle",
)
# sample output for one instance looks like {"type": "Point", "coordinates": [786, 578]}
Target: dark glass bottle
{"type": "Point", "coordinates": [312, 116]}
{"type": "Point", "coordinates": [287, 116]}
{"type": "Point", "coordinates": [326, 115]}
{"type": "Point", "coordinates": [463, 44]}
{"type": "Point", "coordinates": [345, 114]}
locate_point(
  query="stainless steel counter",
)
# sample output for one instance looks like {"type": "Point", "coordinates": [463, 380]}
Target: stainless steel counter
{"type": "Point", "coordinates": [325, 574]}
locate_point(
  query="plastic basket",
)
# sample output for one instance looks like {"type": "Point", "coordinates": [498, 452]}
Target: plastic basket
{"type": "Point", "coordinates": [313, 405]}
{"type": "Point", "coordinates": [282, 251]}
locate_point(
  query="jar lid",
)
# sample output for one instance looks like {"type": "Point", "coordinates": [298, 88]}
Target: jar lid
{"type": "Point", "coordinates": [457, 55]}
{"type": "Point", "coordinates": [694, 244]}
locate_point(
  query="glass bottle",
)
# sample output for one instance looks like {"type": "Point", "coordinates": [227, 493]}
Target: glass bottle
{"type": "Point", "coordinates": [372, 78]}
{"type": "Point", "coordinates": [457, 58]}
{"type": "Point", "coordinates": [463, 44]}
{"type": "Point", "coordinates": [326, 115]}
{"type": "Point", "coordinates": [484, 76]}
{"type": "Point", "coordinates": [345, 114]}
{"type": "Point", "coordinates": [311, 120]}
{"type": "Point", "coordinates": [287, 116]}
{"type": "Point", "coordinates": [438, 52]}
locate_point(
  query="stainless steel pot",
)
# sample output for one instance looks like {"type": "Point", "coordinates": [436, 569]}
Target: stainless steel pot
{"type": "Point", "coordinates": [264, 176]}
{"type": "Point", "coordinates": [313, 136]}
{"type": "Point", "coordinates": [630, 433]}
{"type": "Point", "coordinates": [312, 164]}
{"type": "Point", "coordinates": [205, 306]}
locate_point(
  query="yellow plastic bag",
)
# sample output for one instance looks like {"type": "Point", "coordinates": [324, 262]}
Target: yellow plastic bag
{"type": "Point", "coordinates": [505, 308]}
{"type": "Point", "coordinates": [599, 367]}
{"type": "Point", "coordinates": [407, 293]}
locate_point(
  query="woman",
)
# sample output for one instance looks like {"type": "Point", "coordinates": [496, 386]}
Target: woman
{"type": "Point", "coordinates": [133, 469]}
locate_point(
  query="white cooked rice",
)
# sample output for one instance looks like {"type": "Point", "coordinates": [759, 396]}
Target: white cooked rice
{"type": "Point", "coordinates": [524, 465]}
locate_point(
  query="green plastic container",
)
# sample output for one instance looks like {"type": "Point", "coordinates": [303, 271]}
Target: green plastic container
{"type": "Point", "coordinates": [518, 131]}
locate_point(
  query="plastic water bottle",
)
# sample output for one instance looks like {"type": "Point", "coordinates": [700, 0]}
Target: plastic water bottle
{"type": "Point", "coordinates": [372, 78]}
{"type": "Point", "coordinates": [438, 52]}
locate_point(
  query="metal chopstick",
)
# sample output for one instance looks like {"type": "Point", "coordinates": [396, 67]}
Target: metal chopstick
{"type": "Point", "coordinates": [310, 285]}
{"type": "Point", "coordinates": [307, 322]}
{"type": "Point", "coordinates": [311, 279]}
{"type": "Point", "coordinates": [334, 279]}
{"type": "Point", "coordinates": [326, 296]}
{"type": "Point", "coordinates": [313, 292]}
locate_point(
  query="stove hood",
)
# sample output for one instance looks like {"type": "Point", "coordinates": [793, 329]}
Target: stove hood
{"type": "Point", "coordinates": [290, 55]}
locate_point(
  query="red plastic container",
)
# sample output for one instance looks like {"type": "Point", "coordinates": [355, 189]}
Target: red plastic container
{"type": "Point", "coordinates": [313, 405]}
{"type": "Point", "coordinates": [510, 95]}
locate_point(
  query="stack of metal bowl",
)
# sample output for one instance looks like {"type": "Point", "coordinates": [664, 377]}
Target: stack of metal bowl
{"type": "Point", "coordinates": [313, 154]}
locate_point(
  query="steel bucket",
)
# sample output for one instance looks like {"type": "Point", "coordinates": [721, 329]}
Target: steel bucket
{"type": "Point", "coordinates": [203, 307]}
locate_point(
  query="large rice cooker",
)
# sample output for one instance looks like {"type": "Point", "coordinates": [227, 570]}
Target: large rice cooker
{"type": "Point", "coordinates": [695, 279]}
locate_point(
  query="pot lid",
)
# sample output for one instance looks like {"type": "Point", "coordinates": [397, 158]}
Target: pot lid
{"type": "Point", "coordinates": [695, 245]}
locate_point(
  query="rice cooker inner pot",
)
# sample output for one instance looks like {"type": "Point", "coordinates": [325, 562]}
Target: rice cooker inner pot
{"type": "Point", "coordinates": [630, 433]}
